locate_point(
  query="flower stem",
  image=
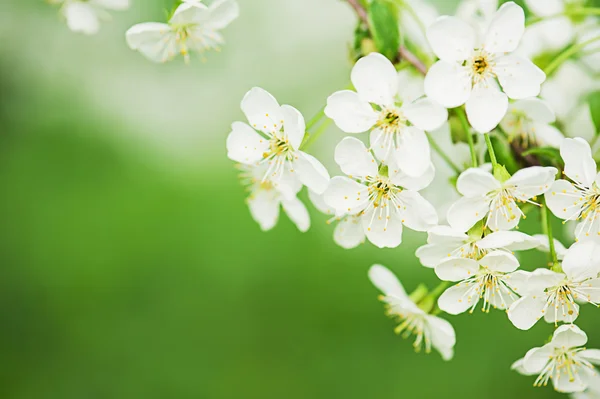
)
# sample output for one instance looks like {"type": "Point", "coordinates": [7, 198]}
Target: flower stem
{"type": "Point", "coordinates": [315, 118]}
{"type": "Point", "coordinates": [568, 53]}
{"type": "Point", "coordinates": [571, 13]}
{"type": "Point", "coordinates": [442, 154]}
{"type": "Point", "coordinates": [547, 227]}
{"type": "Point", "coordinates": [490, 148]}
{"type": "Point", "coordinates": [312, 137]}
{"type": "Point", "coordinates": [465, 125]}
{"type": "Point", "coordinates": [437, 291]}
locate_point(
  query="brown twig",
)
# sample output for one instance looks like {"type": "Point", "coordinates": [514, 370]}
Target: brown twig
{"type": "Point", "coordinates": [403, 53]}
{"type": "Point", "coordinates": [529, 160]}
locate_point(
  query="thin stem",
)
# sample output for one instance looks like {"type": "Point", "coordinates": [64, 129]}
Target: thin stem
{"type": "Point", "coordinates": [442, 154]}
{"type": "Point", "coordinates": [570, 13]}
{"type": "Point", "coordinates": [360, 11]}
{"type": "Point", "coordinates": [312, 137]}
{"type": "Point", "coordinates": [490, 148]}
{"type": "Point", "coordinates": [547, 226]}
{"type": "Point", "coordinates": [467, 129]}
{"type": "Point", "coordinates": [437, 291]}
{"type": "Point", "coordinates": [316, 118]}
{"type": "Point", "coordinates": [565, 55]}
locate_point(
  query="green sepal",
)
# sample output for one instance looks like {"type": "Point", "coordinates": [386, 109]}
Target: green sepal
{"type": "Point", "coordinates": [501, 174]}
{"type": "Point", "coordinates": [476, 232]}
{"type": "Point", "coordinates": [504, 153]}
{"type": "Point", "coordinates": [383, 170]}
{"type": "Point", "coordinates": [419, 293]}
{"type": "Point", "coordinates": [383, 22]}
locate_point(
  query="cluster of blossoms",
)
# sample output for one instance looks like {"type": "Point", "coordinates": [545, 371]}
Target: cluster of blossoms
{"type": "Point", "coordinates": [474, 121]}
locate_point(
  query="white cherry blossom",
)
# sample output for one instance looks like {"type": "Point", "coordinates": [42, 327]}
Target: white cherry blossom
{"type": "Point", "coordinates": [473, 70]}
{"type": "Point", "coordinates": [391, 106]}
{"type": "Point", "coordinates": [273, 138]}
{"type": "Point", "coordinates": [553, 295]}
{"type": "Point", "coordinates": [84, 16]}
{"type": "Point", "coordinates": [493, 279]}
{"type": "Point", "coordinates": [430, 331]}
{"type": "Point", "coordinates": [578, 199]}
{"type": "Point", "coordinates": [544, 245]}
{"type": "Point", "coordinates": [529, 122]}
{"type": "Point", "coordinates": [484, 195]}
{"type": "Point", "coordinates": [384, 197]}
{"type": "Point", "coordinates": [563, 361]}
{"type": "Point", "coordinates": [194, 27]}
{"type": "Point", "coordinates": [444, 242]}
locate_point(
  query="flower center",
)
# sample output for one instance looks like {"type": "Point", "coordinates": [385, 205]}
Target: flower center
{"type": "Point", "coordinates": [564, 363]}
{"type": "Point", "coordinates": [562, 299]}
{"type": "Point", "coordinates": [412, 324]}
{"type": "Point", "coordinates": [391, 120]}
{"type": "Point", "coordinates": [383, 199]}
{"type": "Point", "coordinates": [481, 66]}
{"type": "Point", "coordinates": [490, 287]}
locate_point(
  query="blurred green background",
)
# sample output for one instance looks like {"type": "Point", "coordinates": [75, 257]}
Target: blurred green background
{"type": "Point", "coordinates": [130, 265]}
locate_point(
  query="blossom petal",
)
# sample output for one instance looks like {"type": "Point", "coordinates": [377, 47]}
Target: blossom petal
{"type": "Point", "coordinates": [503, 215]}
{"type": "Point", "coordinates": [319, 202]}
{"type": "Point", "coordinates": [413, 153]}
{"type": "Point", "coordinates": [245, 145]}
{"type": "Point", "coordinates": [465, 212]}
{"type": "Point", "coordinates": [190, 13]}
{"type": "Point", "coordinates": [536, 109]}
{"type": "Point", "coordinates": [355, 159]}
{"type": "Point", "coordinates": [294, 127]}
{"type": "Point", "coordinates": [486, 107]}
{"type": "Point", "coordinates": [506, 29]}
{"type": "Point", "coordinates": [448, 84]}
{"type": "Point", "coordinates": [297, 212]}
{"type": "Point", "coordinates": [591, 355]}
{"type": "Point", "coordinates": [410, 85]}
{"type": "Point", "coordinates": [262, 110]}
{"type": "Point", "coordinates": [590, 290]}
{"type": "Point", "coordinates": [500, 261]}
{"type": "Point", "coordinates": [443, 336]}
{"type": "Point", "coordinates": [545, 8]}
{"type": "Point", "coordinates": [519, 368]}
{"type": "Point", "coordinates": [518, 281]}
{"type": "Point", "coordinates": [311, 172]}
{"type": "Point", "coordinates": [151, 39]}
{"type": "Point", "coordinates": [386, 281]}
{"type": "Point", "coordinates": [431, 255]}
{"type": "Point", "coordinates": [399, 178]}
{"type": "Point", "coordinates": [532, 181]}
{"type": "Point", "coordinates": [81, 17]}
{"type": "Point", "coordinates": [349, 112]}
{"type": "Point", "coordinates": [375, 79]}
{"type": "Point", "coordinates": [561, 313]}
{"type": "Point", "coordinates": [446, 235]}
{"type": "Point", "coordinates": [547, 135]}
{"type": "Point", "coordinates": [562, 200]}
{"type": "Point", "coordinates": [525, 312]}
{"type": "Point", "coordinates": [457, 299]}
{"type": "Point", "coordinates": [425, 114]}
{"type": "Point", "coordinates": [568, 384]}
{"type": "Point", "coordinates": [475, 182]}
{"type": "Point", "coordinates": [264, 208]}
{"type": "Point", "coordinates": [222, 13]}
{"type": "Point", "coordinates": [417, 213]}
{"type": "Point", "coordinates": [383, 232]}
{"type": "Point", "coordinates": [545, 246]}
{"type": "Point", "coordinates": [349, 232]}
{"type": "Point", "coordinates": [346, 195]}
{"type": "Point", "coordinates": [582, 260]}
{"type": "Point", "coordinates": [511, 240]}
{"type": "Point", "coordinates": [518, 76]}
{"type": "Point", "coordinates": [451, 39]}
{"type": "Point", "coordinates": [537, 358]}
{"type": "Point", "coordinates": [569, 336]}
{"type": "Point", "coordinates": [579, 164]}
{"type": "Point", "coordinates": [456, 269]}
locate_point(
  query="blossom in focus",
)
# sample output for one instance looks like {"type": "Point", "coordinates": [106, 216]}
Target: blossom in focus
{"type": "Point", "coordinates": [481, 71]}
{"type": "Point", "coordinates": [578, 199]}
{"type": "Point", "coordinates": [484, 195]}
{"type": "Point", "coordinates": [529, 122]}
{"type": "Point", "coordinates": [273, 139]}
{"type": "Point", "coordinates": [563, 361]}
{"type": "Point", "coordinates": [430, 331]}
{"type": "Point", "coordinates": [553, 295]}
{"type": "Point", "coordinates": [493, 279]}
{"type": "Point", "coordinates": [264, 200]}
{"type": "Point", "coordinates": [444, 242]}
{"type": "Point", "coordinates": [391, 106]}
{"type": "Point", "coordinates": [85, 16]}
{"type": "Point", "coordinates": [194, 27]}
{"type": "Point", "coordinates": [383, 196]}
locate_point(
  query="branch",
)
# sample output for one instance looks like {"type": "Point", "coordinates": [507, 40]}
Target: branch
{"type": "Point", "coordinates": [403, 52]}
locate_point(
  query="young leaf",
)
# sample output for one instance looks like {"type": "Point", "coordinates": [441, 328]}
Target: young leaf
{"type": "Point", "coordinates": [383, 20]}
{"type": "Point", "coordinates": [548, 155]}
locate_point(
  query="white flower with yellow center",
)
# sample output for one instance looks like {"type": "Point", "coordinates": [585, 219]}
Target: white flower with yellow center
{"type": "Point", "coordinates": [265, 200]}
{"type": "Point", "coordinates": [84, 16]}
{"type": "Point", "coordinates": [430, 331]}
{"type": "Point", "coordinates": [444, 242]}
{"type": "Point", "coordinates": [484, 195]}
{"type": "Point", "coordinates": [194, 27]}
{"type": "Point", "coordinates": [493, 279]}
{"type": "Point", "coordinates": [471, 70]}
{"type": "Point", "coordinates": [529, 121]}
{"type": "Point", "coordinates": [563, 361]}
{"type": "Point", "coordinates": [274, 140]}
{"type": "Point", "coordinates": [554, 295]}
{"type": "Point", "coordinates": [391, 106]}
{"type": "Point", "coordinates": [578, 199]}
{"type": "Point", "coordinates": [384, 197]}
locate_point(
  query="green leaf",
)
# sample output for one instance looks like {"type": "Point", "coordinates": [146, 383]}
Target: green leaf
{"type": "Point", "coordinates": [383, 20]}
{"type": "Point", "coordinates": [594, 102]}
{"type": "Point", "coordinates": [504, 153]}
{"type": "Point", "coordinates": [549, 154]}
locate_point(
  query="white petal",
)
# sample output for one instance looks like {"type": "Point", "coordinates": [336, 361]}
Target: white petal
{"type": "Point", "coordinates": [381, 231]}
{"type": "Point", "coordinates": [264, 208]}
{"type": "Point", "coordinates": [349, 112]}
{"type": "Point", "coordinates": [82, 18]}
{"type": "Point", "coordinates": [446, 235]}
{"type": "Point", "coordinates": [443, 336]}
{"type": "Point", "coordinates": [506, 29]}
{"type": "Point", "coordinates": [486, 107]}
{"type": "Point", "coordinates": [375, 79]}
{"type": "Point", "coordinates": [518, 281]}
{"type": "Point", "coordinates": [425, 114]}
{"type": "Point", "coordinates": [297, 212]}
{"type": "Point", "coordinates": [568, 384]}
{"type": "Point", "coordinates": [456, 269]}
{"type": "Point", "coordinates": [111, 4]}
{"type": "Point", "coordinates": [386, 282]}
{"type": "Point", "coordinates": [311, 172]}
{"type": "Point", "coordinates": [547, 135]}
{"type": "Point", "coordinates": [293, 125]}
{"type": "Point", "coordinates": [582, 260]}
{"type": "Point", "coordinates": [151, 39]}
{"type": "Point", "coordinates": [410, 85]}
{"type": "Point", "coordinates": [355, 159]}
{"type": "Point", "coordinates": [418, 214]}
{"type": "Point", "coordinates": [346, 195]}
{"type": "Point", "coordinates": [531, 181]}
{"type": "Point", "coordinates": [448, 84]}
{"type": "Point", "coordinates": [431, 255]}
{"type": "Point", "coordinates": [457, 299]}
{"type": "Point", "coordinates": [262, 110]}
{"type": "Point", "coordinates": [590, 290]}
{"type": "Point", "coordinates": [349, 232]}
{"type": "Point", "coordinates": [413, 153]}
{"type": "Point", "coordinates": [536, 109]}
{"type": "Point", "coordinates": [500, 261]}
{"type": "Point", "coordinates": [222, 13]}
{"type": "Point", "coordinates": [542, 278]}
{"type": "Point", "coordinates": [562, 200]}
{"type": "Point", "coordinates": [475, 182]}
{"type": "Point", "coordinates": [319, 203]}
{"type": "Point", "coordinates": [537, 358]}
{"type": "Point", "coordinates": [545, 246]}
{"type": "Point", "coordinates": [519, 368]}
{"type": "Point", "coordinates": [545, 8]}
{"type": "Point", "coordinates": [383, 145]}
{"type": "Point", "coordinates": [505, 216]}
{"type": "Point", "coordinates": [561, 314]}
{"type": "Point", "coordinates": [511, 240]}
{"type": "Point", "coordinates": [525, 312]}
{"type": "Point", "coordinates": [245, 145]}
{"type": "Point", "coordinates": [465, 212]}
{"type": "Point", "coordinates": [579, 164]}
{"type": "Point", "coordinates": [569, 336]}
{"type": "Point", "coordinates": [190, 13]}
{"type": "Point", "coordinates": [451, 39]}
{"type": "Point", "coordinates": [519, 77]}
{"type": "Point", "coordinates": [591, 355]}
{"type": "Point", "coordinates": [399, 178]}
{"type": "Point", "coordinates": [285, 181]}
